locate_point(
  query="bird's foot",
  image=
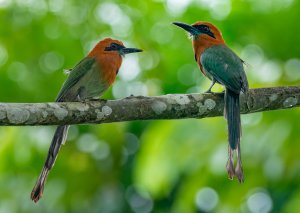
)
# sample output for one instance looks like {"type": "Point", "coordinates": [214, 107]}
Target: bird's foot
{"type": "Point", "coordinates": [87, 100]}
{"type": "Point", "coordinates": [211, 86]}
{"type": "Point", "coordinates": [209, 91]}
{"type": "Point", "coordinates": [93, 99]}
{"type": "Point", "coordinates": [102, 100]}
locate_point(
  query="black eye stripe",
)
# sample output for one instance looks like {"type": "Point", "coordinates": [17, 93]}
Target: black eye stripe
{"type": "Point", "coordinates": [113, 47]}
{"type": "Point", "coordinates": [205, 29]}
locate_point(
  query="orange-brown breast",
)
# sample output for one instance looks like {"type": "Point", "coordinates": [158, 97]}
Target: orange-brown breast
{"type": "Point", "coordinates": [110, 64]}
{"type": "Point", "coordinates": [109, 61]}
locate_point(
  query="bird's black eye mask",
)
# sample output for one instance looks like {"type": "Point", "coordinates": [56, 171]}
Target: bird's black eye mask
{"type": "Point", "coordinates": [205, 30]}
{"type": "Point", "coordinates": [114, 47]}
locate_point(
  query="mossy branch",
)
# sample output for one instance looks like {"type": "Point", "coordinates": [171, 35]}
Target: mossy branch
{"type": "Point", "coordinates": [173, 106]}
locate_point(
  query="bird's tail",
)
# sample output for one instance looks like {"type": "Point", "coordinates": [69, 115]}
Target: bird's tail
{"type": "Point", "coordinates": [232, 113]}
{"type": "Point", "coordinates": [59, 138]}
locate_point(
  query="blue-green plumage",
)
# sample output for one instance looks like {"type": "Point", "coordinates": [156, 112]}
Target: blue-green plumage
{"type": "Point", "coordinates": [222, 65]}
{"type": "Point", "coordinates": [83, 82]}
{"type": "Point", "coordinates": [87, 80]}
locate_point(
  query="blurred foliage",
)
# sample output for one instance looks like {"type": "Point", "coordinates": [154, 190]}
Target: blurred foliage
{"type": "Point", "coordinates": [149, 166]}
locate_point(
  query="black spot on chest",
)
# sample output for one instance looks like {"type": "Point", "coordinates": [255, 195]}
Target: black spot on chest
{"type": "Point", "coordinates": [117, 71]}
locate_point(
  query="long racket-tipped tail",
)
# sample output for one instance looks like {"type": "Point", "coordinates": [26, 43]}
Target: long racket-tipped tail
{"type": "Point", "coordinates": [59, 138]}
{"type": "Point", "coordinates": [232, 114]}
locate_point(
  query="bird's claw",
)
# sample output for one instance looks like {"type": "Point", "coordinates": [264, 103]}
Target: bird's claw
{"type": "Point", "coordinates": [208, 91]}
{"type": "Point", "coordinates": [211, 86]}
{"type": "Point", "coordinates": [211, 92]}
{"type": "Point", "coordinates": [94, 99]}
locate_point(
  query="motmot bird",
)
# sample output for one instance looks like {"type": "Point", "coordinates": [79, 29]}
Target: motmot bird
{"type": "Point", "coordinates": [221, 65]}
{"type": "Point", "coordinates": [90, 78]}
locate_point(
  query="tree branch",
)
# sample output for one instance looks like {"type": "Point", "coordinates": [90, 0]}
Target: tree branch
{"type": "Point", "coordinates": [173, 106]}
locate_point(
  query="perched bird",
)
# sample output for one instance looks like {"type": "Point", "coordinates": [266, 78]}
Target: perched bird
{"type": "Point", "coordinates": [90, 78]}
{"type": "Point", "coordinates": [221, 65]}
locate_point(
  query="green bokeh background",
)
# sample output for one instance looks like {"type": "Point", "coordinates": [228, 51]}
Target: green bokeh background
{"type": "Point", "coordinates": [149, 166]}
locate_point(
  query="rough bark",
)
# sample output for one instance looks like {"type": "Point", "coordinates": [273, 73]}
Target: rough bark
{"type": "Point", "coordinates": [173, 106]}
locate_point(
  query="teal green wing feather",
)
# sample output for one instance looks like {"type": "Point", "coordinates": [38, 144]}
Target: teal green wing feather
{"type": "Point", "coordinates": [225, 67]}
{"type": "Point", "coordinates": [82, 68]}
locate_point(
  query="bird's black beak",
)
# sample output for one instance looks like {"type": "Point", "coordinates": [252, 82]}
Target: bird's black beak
{"type": "Point", "coordinates": [192, 30]}
{"type": "Point", "coordinates": [126, 50]}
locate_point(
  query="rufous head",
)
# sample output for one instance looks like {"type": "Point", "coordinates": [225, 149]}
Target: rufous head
{"type": "Point", "coordinates": [202, 31]}
{"type": "Point", "coordinates": [112, 47]}
{"type": "Point", "coordinates": [108, 53]}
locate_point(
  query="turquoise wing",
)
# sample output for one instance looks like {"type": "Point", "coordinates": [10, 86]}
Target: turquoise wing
{"type": "Point", "coordinates": [225, 67]}
{"type": "Point", "coordinates": [77, 73]}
